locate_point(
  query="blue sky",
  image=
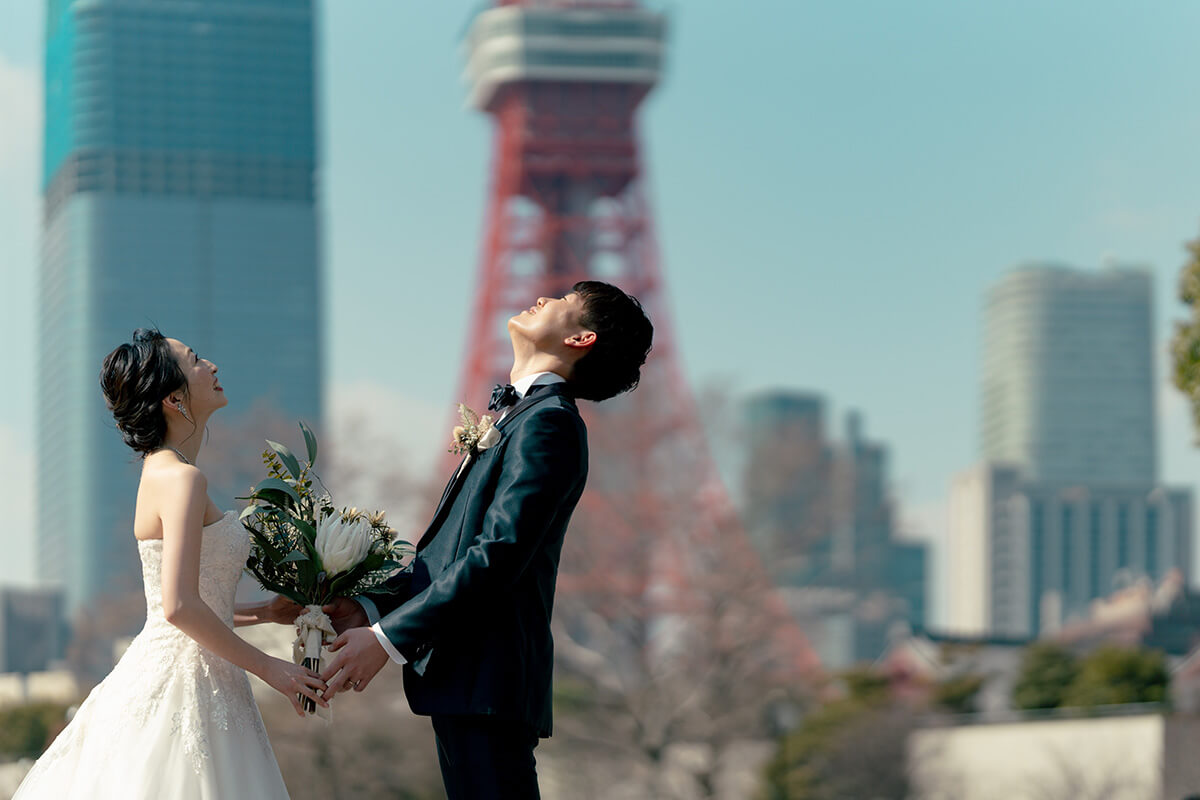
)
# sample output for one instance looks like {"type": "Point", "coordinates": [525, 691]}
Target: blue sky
{"type": "Point", "coordinates": [835, 184]}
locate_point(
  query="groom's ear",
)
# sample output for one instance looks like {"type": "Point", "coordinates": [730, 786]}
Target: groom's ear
{"type": "Point", "coordinates": [583, 339]}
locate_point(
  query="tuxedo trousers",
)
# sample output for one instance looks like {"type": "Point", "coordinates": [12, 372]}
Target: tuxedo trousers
{"type": "Point", "coordinates": [485, 758]}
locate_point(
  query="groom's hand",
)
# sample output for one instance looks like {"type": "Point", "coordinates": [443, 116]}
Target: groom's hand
{"type": "Point", "coordinates": [345, 614]}
{"type": "Point", "coordinates": [359, 658]}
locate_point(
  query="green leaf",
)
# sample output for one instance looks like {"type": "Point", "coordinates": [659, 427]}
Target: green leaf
{"type": "Point", "coordinates": [277, 485]}
{"type": "Point", "coordinates": [268, 547]}
{"type": "Point", "coordinates": [286, 456]}
{"type": "Point", "coordinates": [278, 588]}
{"type": "Point", "coordinates": [374, 562]}
{"type": "Point", "coordinates": [295, 555]}
{"type": "Point", "coordinates": [310, 443]}
{"type": "Point", "coordinates": [308, 533]}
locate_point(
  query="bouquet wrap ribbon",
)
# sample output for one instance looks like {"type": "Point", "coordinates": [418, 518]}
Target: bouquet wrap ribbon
{"type": "Point", "coordinates": [314, 630]}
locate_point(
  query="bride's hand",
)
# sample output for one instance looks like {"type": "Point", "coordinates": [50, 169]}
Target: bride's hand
{"type": "Point", "coordinates": [283, 609]}
{"type": "Point", "coordinates": [292, 680]}
{"type": "Point", "coordinates": [345, 614]}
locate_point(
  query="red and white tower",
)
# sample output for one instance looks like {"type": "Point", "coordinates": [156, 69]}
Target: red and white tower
{"type": "Point", "coordinates": [563, 81]}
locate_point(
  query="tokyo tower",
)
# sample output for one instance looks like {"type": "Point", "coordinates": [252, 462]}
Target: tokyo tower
{"type": "Point", "coordinates": [655, 535]}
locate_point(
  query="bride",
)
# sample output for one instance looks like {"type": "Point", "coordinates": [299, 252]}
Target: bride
{"type": "Point", "coordinates": [175, 717]}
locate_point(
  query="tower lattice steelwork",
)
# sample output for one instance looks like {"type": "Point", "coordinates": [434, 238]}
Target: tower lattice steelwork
{"type": "Point", "coordinates": [563, 81]}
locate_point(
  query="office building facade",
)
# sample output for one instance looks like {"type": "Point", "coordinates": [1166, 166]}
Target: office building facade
{"type": "Point", "coordinates": [179, 186]}
{"type": "Point", "coordinates": [1068, 376]}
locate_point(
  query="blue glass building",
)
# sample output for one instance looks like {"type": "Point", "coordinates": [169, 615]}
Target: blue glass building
{"type": "Point", "coordinates": [179, 168]}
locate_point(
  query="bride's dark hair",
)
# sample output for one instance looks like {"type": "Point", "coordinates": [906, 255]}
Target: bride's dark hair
{"type": "Point", "coordinates": [135, 378]}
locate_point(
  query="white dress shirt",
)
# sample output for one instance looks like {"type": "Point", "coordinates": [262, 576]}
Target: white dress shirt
{"type": "Point", "coordinates": [522, 387]}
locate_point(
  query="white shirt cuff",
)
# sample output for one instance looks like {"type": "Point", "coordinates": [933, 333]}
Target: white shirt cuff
{"type": "Point", "coordinates": [372, 610]}
{"type": "Point", "coordinates": [387, 645]}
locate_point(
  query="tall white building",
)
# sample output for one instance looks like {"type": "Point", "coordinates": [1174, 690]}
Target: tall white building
{"type": "Point", "coordinates": [1065, 506]}
{"type": "Point", "coordinates": [1068, 375]}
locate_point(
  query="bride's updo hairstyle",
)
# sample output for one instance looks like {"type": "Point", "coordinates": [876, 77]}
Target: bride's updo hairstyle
{"type": "Point", "coordinates": [135, 378]}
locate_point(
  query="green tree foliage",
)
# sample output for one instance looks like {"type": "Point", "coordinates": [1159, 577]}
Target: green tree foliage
{"type": "Point", "coordinates": [1114, 675]}
{"type": "Point", "coordinates": [1047, 671]}
{"type": "Point", "coordinates": [851, 747]}
{"type": "Point", "coordinates": [1185, 346]}
{"type": "Point", "coordinates": [957, 694]}
{"type": "Point", "coordinates": [1051, 677]}
{"type": "Point", "coordinates": [25, 731]}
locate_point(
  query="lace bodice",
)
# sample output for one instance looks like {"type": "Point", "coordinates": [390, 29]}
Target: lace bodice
{"type": "Point", "coordinates": [223, 552]}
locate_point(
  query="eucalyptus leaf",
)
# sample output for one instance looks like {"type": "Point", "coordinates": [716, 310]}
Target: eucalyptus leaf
{"type": "Point", "coordinates": [286, 456]}
{"type": "Point", "coordinates": [308, 534]}
{"type": "Point", "coordinates": [295, 555]}
{"type": "Point", "coordinates": [310, 443]}
{"type": "Point", "coordinates": [279, 588]}
{"type": "Point", "coordinates": [268, 547]}
{"type": "Point", "coordinates": [275, 484]}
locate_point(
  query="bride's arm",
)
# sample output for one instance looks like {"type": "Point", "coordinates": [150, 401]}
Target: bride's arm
{"type": "Point", "coordinates": [182, 527]}
{"type": "Point", "coordinates": [278, 609]}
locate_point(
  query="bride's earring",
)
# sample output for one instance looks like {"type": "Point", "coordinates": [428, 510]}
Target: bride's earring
{"type": "Point", "coordinates": [183, 411]}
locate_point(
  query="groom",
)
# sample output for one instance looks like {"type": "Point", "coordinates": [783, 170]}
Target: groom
{"type": "Point", "coordinates": [473, 626]}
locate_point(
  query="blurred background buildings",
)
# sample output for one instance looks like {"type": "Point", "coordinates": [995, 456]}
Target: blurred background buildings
{"type": "Point", "coordinates": [179, 190]}
{"type": "Point", "coordinates": [1066, 506]}
{"type": "Point", "coordinates": [821, 515]}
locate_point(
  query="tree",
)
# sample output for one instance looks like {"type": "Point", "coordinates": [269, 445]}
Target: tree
{"type": "Point", "coordinates": [669, 636]}
{"type": "Point", "coordinates": [1114, 675]}
{"type": "Point", "coordinates": [1047, 671]}
{"type": "Point", "coordinates": [1185, 346]}
{"type": "Point", "coordinates": [27, 730]}
{"type": "Point", "coordinates": [957, 694]}
{"type": "Point", "coordinates": [855, 746]}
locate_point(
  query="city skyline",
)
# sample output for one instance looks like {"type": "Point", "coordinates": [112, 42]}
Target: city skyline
{"type": "Point", "coordinates": [861, 222]}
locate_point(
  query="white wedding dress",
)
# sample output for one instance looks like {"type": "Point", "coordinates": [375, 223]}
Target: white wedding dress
{"type": "Point", "coordinates": [172, 720]}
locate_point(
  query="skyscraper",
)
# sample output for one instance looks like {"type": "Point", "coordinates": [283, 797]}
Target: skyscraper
{"type": "Point", "coordinates": [820, 514]}
{"type": "Point", "coordinates": [1068, 375]}
{"type": "Point", "coordinates": [178, 180]}
{"type": "Point", "coordinates": [1065, 506]}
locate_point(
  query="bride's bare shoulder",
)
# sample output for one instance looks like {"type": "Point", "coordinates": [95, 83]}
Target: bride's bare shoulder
{"type": "Point", "coordinates": [167, 487]}
{"type": "Point", "coordinates": [165, 475]}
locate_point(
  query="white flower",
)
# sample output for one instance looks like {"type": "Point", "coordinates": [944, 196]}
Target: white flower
{"type": "Point", "coordinates": [489, 438]}
{"type": "Point", "coordinates": [342, 545]}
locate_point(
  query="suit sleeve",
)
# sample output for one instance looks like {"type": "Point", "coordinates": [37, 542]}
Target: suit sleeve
{"type": "Point", "coordinates": [386, 602]}
{"type": "Point", "coordinates": [544, 461]}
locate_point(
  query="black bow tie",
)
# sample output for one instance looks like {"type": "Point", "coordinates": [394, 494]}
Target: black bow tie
{"type": "Point", "coordinates": [503, 397]}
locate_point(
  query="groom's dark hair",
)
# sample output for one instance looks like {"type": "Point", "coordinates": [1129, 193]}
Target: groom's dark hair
{"type": "Point", "coordinates": [623, 340]}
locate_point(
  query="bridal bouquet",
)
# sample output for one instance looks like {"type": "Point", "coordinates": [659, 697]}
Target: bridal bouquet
{"type": "Point", "coordinates": [306, 549]}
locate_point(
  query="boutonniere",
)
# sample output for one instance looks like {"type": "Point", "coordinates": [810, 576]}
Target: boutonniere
{"type": "Point", "coordinates": [475, 435]}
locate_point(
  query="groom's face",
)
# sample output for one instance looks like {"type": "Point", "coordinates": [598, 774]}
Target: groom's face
{"type": "Point", "coordinates": [549, 322]}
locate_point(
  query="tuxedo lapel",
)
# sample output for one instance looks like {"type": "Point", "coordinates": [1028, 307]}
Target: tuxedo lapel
{"type": "Point", "coordinates": [448, 493]}
{"type": "Point", "coordinates": [531, 398]}
{"type": "Point", "coordinates": [458, 473]}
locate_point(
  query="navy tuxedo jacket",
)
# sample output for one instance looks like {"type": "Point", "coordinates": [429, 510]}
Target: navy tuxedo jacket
{"type": "Point", "coordinates": [475, 622]}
